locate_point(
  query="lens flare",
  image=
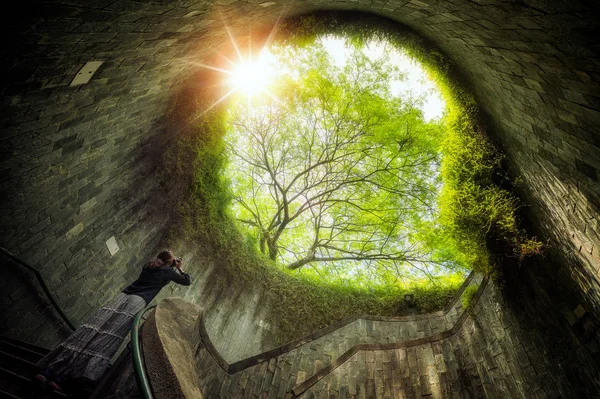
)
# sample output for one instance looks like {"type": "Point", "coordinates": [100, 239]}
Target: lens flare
{"type": "Point", "coordinates": [251, 77]}
{"type": "Point", "coordinates": [247, 76]}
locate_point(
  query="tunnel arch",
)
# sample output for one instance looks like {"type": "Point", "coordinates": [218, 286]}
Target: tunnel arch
{"type": "Point", "coordinates": [78, 162]}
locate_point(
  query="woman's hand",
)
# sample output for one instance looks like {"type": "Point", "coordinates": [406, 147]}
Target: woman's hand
{"type": "Point", "coordinates": [178, 262]}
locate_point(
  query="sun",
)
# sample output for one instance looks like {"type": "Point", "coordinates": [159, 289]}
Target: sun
{"type": "Point", "coordinates": [250, 78]}
{"type": "Point", "coordinates": [246, 76]}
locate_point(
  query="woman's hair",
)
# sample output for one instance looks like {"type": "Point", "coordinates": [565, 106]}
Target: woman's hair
{"type": "Point", "coordinates": [162, 258]}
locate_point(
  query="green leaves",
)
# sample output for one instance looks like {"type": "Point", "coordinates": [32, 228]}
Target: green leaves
{"type": "Point", "coordinates": [455, 233]}
{"type": "Point", "coordinates": [338, 174]}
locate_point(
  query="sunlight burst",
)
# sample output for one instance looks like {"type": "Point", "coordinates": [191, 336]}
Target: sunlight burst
{"type": "Point", "coordinates": [250, 77]}
{"type": "Point", "coordinates": [247, 76]}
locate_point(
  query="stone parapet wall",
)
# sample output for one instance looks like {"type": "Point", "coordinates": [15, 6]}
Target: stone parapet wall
{"type": "Point", "coordinates": [500, 351]}
{"type": "Point", "coordinates": [509, 348]}
{"type": "Point", "coordinates": [234, 315]}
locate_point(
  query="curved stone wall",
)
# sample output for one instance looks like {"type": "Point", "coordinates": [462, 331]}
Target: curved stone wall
{"type": "Point", "coordinates": [493, 355]}
{"type": "Point", "coordinates": [78, 164]}
{"type": "Point", "coordinates": [493, 349]}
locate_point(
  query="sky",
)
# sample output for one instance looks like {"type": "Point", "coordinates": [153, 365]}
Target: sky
{"type": "Point", "coordinates": [252, 77]}
{"type": "Point", "coordinates": [417, 80]}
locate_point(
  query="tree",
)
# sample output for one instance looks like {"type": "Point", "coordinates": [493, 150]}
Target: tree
{"type": "Point", "coordinates": [338, 171]}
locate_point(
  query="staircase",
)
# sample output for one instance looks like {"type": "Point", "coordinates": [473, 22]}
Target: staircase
{"type": "Point", "coordinates": [18, 359]}
{"type": "Point", "coordinates": [17, 367]}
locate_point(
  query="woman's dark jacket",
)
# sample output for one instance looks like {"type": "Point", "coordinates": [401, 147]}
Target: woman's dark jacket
{"type": "Point", "coordinates": [151, 281]}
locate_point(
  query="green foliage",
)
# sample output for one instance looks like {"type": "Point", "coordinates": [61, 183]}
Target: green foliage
{"type": "Point", "coordinates": [203, 220]}
{"type": "Point", "coordinates": [474, 212]}
{"type": "Point", "coordinates": [333, 178]}
{"type": "Point", "coordinates": [478, 223]}
{"type": "Point", "coordinates": [469, 295]}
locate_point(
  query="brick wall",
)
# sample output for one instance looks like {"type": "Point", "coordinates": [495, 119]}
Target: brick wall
{"type": "Point", "coordinates": [235, 315]}
{"type": "Point", "coordinates": [512, 344]}
{"type": "Point", "coordinates": [507, 348]}
{"type": "Point", "coordinates": [77, 164]}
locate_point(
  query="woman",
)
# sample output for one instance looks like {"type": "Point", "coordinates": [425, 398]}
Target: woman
{"type": "Point", "coordinates": [83, 358]}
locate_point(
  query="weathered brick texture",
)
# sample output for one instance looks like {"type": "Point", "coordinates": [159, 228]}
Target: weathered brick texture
{"type": "Point", "coordinates": [514, 346]}
{"type": "Point", "coordinates": [77, 163]}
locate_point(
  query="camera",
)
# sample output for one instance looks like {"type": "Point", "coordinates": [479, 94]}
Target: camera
{"type": "Point", "coordinates": [176, 260]}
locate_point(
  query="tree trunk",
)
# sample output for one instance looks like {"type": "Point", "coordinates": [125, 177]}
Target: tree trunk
{"type": "Point", "coordinates": [263, 240]}
{"type": "Point", "coordinates": [299, 263]}
{"type": "Point", "coordinates": [273, 248]}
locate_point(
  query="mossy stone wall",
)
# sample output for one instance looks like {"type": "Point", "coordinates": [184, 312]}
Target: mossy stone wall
{"type": "Point", "coordinates": [78, 163]}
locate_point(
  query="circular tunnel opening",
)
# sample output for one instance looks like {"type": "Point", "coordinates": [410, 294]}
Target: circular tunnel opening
{"type": "Point", "coordinates": [450, 227]}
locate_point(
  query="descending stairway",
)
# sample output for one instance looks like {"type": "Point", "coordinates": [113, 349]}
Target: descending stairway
{"type": "Point", "coordinates": [416, 356]}
{"type": "Point", "coordinates": [17, 366]}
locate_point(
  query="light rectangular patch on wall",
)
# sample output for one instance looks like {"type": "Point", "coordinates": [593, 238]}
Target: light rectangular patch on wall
{"type": "Point", "coordinates": [112, 245]}
{"type": "Point", "coordinates": [86, 72]}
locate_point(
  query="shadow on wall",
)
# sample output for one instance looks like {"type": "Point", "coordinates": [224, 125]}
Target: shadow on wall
{"type": "Point", "coordinates": [234, 310]}
{"type": "Point", "coordinates": [572, 254]}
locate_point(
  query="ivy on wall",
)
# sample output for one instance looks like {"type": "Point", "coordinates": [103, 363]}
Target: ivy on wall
{"type": "Point", "coordinates": [477, 217]}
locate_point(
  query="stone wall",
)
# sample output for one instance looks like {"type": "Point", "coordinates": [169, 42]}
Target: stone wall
{"type": "Point", "coordinates": [284, 367]}
{"type": "Point", "coordinates": [234, 315]}
{"type": "Point", "coordinates": [505, 349]}
{"type": "Point", "coordinates": [501, 351]}
{"type": "Point", "coordinates": [78, 163]}
{"type": "Point", "coordinates": [77, 169]}
{"type": "Point", "coordinates": [508, 345]}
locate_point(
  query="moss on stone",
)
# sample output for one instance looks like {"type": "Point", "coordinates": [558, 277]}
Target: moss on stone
{"type": "Point", "coordinates": [468, 295]}
{"type": "Point", "coordinates": [298, 307]}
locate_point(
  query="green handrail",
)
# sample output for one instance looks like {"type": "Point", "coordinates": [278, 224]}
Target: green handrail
{"type": "Point", "coordinates": [141, 378]}
{"type": "Point", "coordinates": [42, 283]}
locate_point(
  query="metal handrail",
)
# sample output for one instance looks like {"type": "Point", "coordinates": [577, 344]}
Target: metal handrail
{"type": "Point", "coordinates": [42, 283]}
{"type": "Point", "coordinates": [139, 369]}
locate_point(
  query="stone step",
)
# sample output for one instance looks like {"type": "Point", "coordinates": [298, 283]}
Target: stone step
{"type": "Point", "coordinates": [26, 345]}
{"type": "Point", "coordinates": [18, 365]}
{"type": "Point", "coordinates": [19, 351]}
